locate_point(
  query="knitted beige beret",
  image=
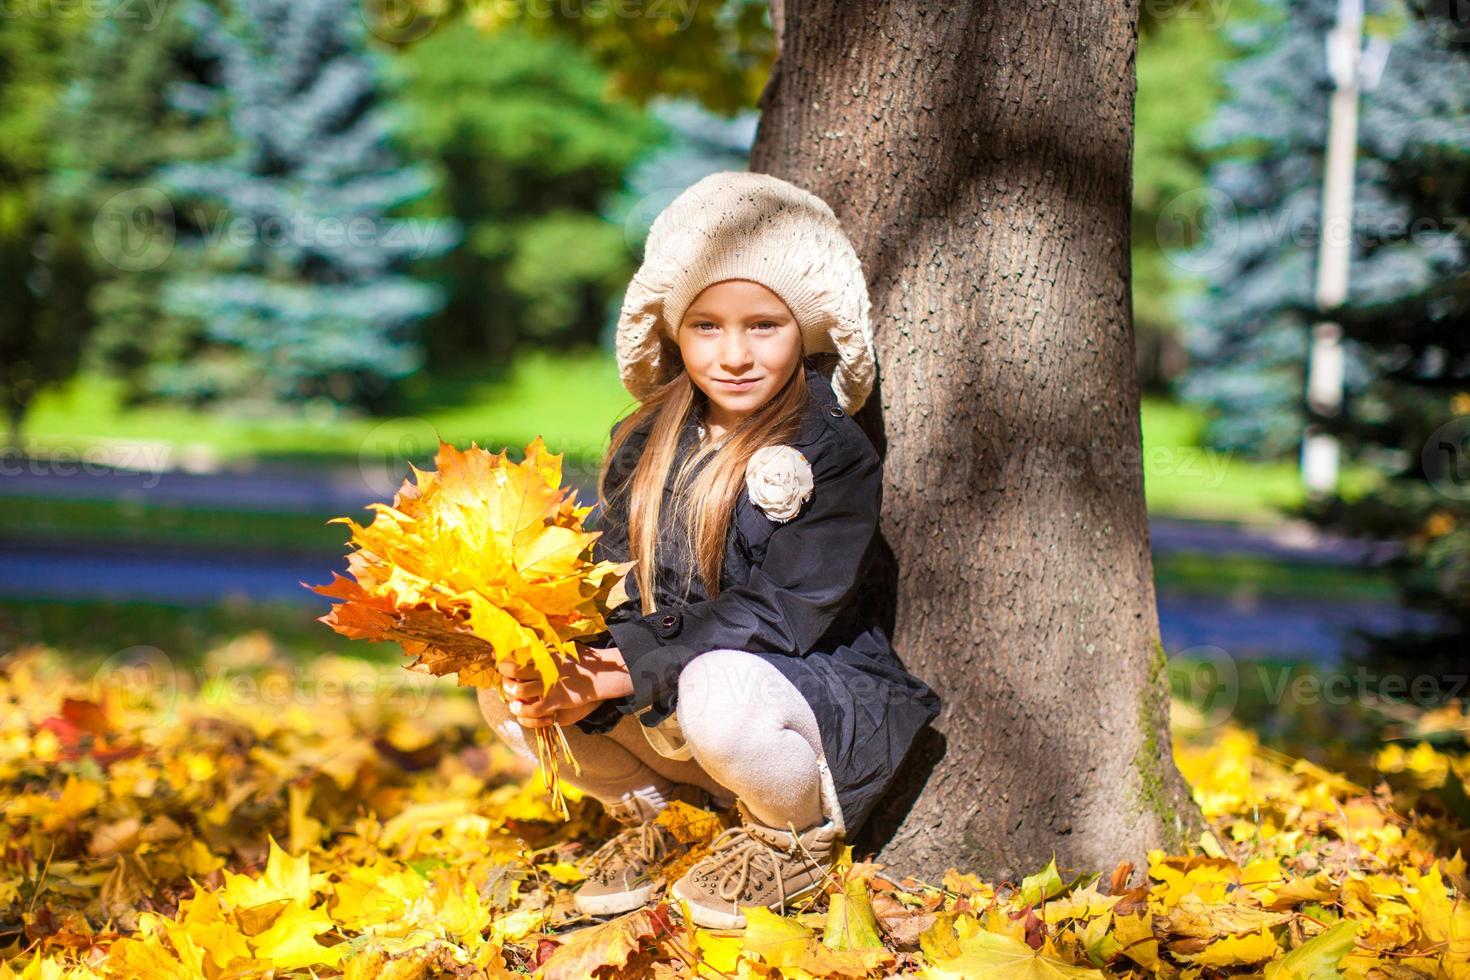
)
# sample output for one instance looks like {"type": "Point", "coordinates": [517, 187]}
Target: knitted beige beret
{"type": "Point", "coordinates": [737, 225]}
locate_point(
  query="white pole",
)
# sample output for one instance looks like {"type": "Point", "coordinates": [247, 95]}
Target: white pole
{"type": "Point", "coordinates": [1320, 453]}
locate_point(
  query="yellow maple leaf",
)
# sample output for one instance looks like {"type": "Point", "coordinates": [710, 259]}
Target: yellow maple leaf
{"type": "Point", "coordinates": [562, 871]}
{"type": "Point", "coordinates": [988, 954]}
{"type": "Point", "coordinates": [1317, 958]}
{"type": "Point", "coordinates": [285, 878]}
{"type": "Point", "coordinates": [794, 948]}
{"type": "Point", "coordinates": [137, 958]}
{"type": "Point", "coordinates": [1250, 947]}
{"type": "Point", "coordinates": [1135, 933]}
{"type": "Point", "coordinates": [851, 923]}
{"type": "Point", "coordinates": [205, 923]}
{"type": "Point", "coordinates": [369, 897]}
{"type": "Point", "coordinates": [1041, 885]}
{"type": "Point", "coordinates": [457, 909]}
{"type": "Point", "coordinates": [1081, 903]}
{"type": "Point", "coordinates": [1203, 877]}
{"type": "Point", "coordinates": [515, 926]}
{"type": "Point", "coordinates": [78, 796]}
{"type": "Point", "coordinates": [290, 942]}
{"type": "Point", "coordinates": [1444, 920]}
{"type": "Point", "coordinates": [1200, 919]}
{"type": "Point", "coordinates": [1315, 888]}
{"type": "Point", "coordinates": [1098, 942]}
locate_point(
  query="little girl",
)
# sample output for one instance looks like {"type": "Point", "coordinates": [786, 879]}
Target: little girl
{"type": "Point", "coordinates": [742, 669]}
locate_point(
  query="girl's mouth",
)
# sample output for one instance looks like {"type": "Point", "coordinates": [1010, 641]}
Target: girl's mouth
{"type": "Point", "coordinates": [738, 385]}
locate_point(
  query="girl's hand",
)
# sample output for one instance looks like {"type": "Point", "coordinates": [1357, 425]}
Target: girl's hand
{"type": "Point", "coordinates": [597, 675]}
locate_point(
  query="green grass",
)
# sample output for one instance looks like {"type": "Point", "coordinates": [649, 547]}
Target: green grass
{"type": "Point", "coordinates": [1183, 479]}
{"type": "Point", "coordinates": [134, 522]}
{"type": "Point", "coordinates": [138, 522]}
{"type": "Point", "coordinates": [1246, 577]}
{"type": "Point", "coordinates": [569, 400]}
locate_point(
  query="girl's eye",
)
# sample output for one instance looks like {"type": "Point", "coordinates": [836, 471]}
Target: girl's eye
{"type": "Point", "coordinates": [701, 324]}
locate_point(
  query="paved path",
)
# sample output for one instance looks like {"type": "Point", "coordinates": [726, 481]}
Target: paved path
{"type": "Point", "coordinates": [346, 489]}
{"type": "Point", "coordinates": [1291, 627]}
{"type": "Point", "coordinates": [1310, 629]}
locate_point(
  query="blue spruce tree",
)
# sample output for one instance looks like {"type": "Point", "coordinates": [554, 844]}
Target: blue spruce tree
{"type": "Point", "coordinates": [114, 128]}
{"type": "Point", "coordinates": [1408, 319]}
{"type": "Point", "coordinates": [1247, 330]}
{"type": "Point", "coordinates": [1406, 410]}
{"type": "Point", "coordinates": [302, 294]}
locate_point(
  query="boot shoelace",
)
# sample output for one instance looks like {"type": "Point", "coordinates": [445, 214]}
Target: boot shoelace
{"type": "Point", "coordinates": [641, 844]}
{"type": "Point", "coordinates": [744, 848]}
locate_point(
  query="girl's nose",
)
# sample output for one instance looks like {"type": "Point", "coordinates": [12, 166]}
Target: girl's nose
{"type": "Point", "coordinates": [734, 351]}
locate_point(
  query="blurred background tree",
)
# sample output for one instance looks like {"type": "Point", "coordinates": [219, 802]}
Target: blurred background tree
{"type": "Point", "coordinates": [1406, 381]}
{"type": "Point", "coordinates": [301, 292]}
{"type": "Point", "coordinates": [44, 274]}
{"type": "Point", "coordinates": [189, 153]}
{"type": "Point", "coordinates": [1181, 53]}
{"type": "Point", "coordinates": [1407, 319]}
{"type": "Point", "coordinates": [118, 123]}
{"type": "Point", "coordinates": [718, 55]}
{"type": "Point", "coordinates": [1260, 209]}
{"type": "Point", "coordinates": [527, 148]}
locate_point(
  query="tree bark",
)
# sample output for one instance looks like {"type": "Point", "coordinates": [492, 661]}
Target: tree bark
{"type": "Point", "coordinates": [979, 155]}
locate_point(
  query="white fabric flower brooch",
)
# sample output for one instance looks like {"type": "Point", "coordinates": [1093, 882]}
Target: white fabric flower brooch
{"type": "Point", "coordinates": [778, 480]}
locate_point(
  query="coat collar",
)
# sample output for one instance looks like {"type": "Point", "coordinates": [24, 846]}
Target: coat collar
{"type": "Point", "coordinates": [821, 400]}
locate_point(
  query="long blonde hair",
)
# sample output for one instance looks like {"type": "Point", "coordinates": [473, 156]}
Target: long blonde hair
{"type": "Point", "coordinates": [703, 507]}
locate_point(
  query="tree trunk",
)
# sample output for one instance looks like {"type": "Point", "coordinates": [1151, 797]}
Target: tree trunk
{"type": "Point", "coordinates": [980, 157]}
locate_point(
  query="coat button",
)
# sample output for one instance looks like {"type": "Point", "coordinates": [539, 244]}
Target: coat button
{"type": "Point", "coordinates": [836, 412]}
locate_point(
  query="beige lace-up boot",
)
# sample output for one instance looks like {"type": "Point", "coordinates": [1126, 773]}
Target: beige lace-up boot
{"type": "Point", "coordinates": [617, 873]}
{"type": "Point", "coordinates": [753, 864]}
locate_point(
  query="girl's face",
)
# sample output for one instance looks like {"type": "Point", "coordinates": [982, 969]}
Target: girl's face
{"type": "Point", "coordinates": [738, 331]}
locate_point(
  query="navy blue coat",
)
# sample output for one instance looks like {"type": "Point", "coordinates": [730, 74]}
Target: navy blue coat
{"type": "Point", "coordinates": [788, 595]}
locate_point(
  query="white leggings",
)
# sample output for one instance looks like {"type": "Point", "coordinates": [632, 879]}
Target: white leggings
{"type": "Point", "coordinates": [752, 735]}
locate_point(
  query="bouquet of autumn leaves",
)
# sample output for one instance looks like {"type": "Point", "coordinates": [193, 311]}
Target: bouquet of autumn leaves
{"type": "Point", "coordinates": [483, 561]}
